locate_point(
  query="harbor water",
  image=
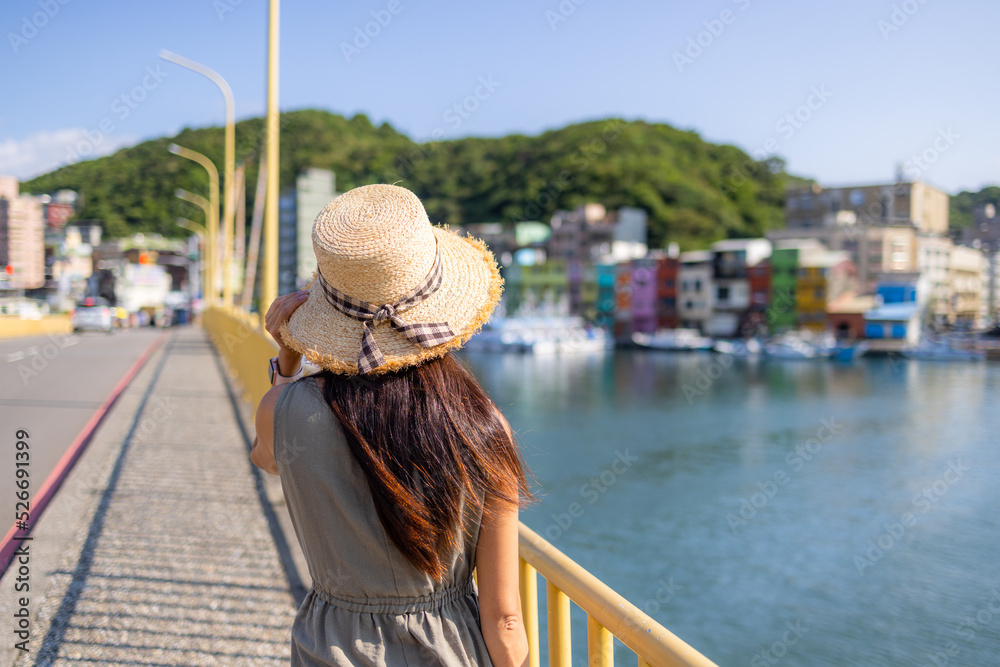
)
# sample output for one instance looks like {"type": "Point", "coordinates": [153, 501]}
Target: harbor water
{"type": "Point", "coordinates": [766, 512]}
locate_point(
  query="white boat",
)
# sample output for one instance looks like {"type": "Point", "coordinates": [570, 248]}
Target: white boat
{"type": "Point", "coordinates": [541, 335]}
{"type": "Point", "coordinates": [673, 340]}
{"type": "Point", "coordinates": [791, 346]}
{"type": "Point", "coordinates": [739, 348]}
{"type": "Point", "coordinates": [941, 351]}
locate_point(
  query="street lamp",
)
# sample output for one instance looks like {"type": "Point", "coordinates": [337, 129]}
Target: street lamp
{"type": "Point", "coordinates": [212, 216]}
{"type": "Point", "coordinates": [269, 284]}
{"type": "Point", "coordinates": [209, 290]}
{"type": "Point", "coordinates": [229, 166]}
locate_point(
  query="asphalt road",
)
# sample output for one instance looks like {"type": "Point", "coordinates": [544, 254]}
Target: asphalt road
{"type": "Point", "coordinates": [50, 386]}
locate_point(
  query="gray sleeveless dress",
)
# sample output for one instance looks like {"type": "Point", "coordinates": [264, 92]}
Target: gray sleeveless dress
{"type": "Point", "coordinates": [368, 605]}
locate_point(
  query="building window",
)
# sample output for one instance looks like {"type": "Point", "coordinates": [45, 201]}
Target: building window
{"type": "Point", "coordinates": [722, 293]}
{"type": "Point", "coordinates": [697, 285]}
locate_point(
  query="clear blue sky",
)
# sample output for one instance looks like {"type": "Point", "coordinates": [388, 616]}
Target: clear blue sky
{"type": "Point", "coordinates": [887, 79]}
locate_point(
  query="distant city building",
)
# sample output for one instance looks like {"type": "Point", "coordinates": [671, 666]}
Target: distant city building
{"type": "Point", "coordinates": [22, 237]}
{"type": "Point", "coordinates": [933, 260]}
{"type": "Point", "coordinates": [966, 267]}
{"type": "Point", "coordinates": [590, 233]}
{"type": "Point", "coordinates": [297, 210]}
{"type": "Point", "coordinates": [876, 224]}
{"type": "Point", "coordinates": [985, 235]}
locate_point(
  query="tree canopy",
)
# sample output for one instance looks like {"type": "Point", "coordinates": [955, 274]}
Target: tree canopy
{"type": "Point", "coordinates": [694, 191]}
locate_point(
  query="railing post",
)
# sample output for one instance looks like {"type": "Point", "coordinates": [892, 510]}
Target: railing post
{"type": "Point", "coordinates": [529, 610]}
{"type": "Point", "coordinates": [600, 644]}
{"type": "Point", "coordinates": [560, 637]}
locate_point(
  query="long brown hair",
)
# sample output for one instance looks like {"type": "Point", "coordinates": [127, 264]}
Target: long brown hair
{"type": "Point", "coordinates": [427, 437]}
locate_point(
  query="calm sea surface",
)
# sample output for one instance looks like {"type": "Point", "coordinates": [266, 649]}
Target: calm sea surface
{"type": "Point", "coordinates": [794, 513]}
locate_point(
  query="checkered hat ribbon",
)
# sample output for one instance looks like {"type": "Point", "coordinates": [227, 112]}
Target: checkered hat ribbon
{"type": "Point", "coordinates": [425, 334]}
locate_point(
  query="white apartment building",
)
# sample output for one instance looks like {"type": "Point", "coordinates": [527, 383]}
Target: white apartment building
{"type": "Point", "coordinates": [696, 296]}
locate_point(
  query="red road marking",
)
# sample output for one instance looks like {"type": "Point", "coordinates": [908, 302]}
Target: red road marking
{"type": "Point", "coordinates": [14, 536]}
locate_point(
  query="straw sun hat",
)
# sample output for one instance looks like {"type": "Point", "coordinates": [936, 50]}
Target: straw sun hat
{"type": "Point", "coordinates": [388, 280]}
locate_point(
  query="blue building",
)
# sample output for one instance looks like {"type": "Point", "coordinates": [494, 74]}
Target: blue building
{"type": "Point", "coordinates": [897, 314]}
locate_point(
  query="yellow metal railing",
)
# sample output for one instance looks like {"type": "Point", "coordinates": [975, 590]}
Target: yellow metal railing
{"type": "Point", "coordinates": [13, 326]}
{"type": "Point", "coordinates": [237, 336]}
{"type": "Point", "coordinates": [246, 349]}
{"type": "Point", "coordinates": [609, 615]}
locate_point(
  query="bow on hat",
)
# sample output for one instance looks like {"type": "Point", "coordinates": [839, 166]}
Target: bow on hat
{"type": "Point", "coordinates": [425, 334]}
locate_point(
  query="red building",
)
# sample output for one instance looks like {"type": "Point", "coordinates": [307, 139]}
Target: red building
{"type": "Point", "coordinates": [666, 292]}
{"type": "Point", "coordinates": [759, 276]}
{"type": "Point", "coordinates": [759, 279]}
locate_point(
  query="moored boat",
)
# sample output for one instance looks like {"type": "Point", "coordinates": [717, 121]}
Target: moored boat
{"type": "Point", "coordinates": [673, 340]}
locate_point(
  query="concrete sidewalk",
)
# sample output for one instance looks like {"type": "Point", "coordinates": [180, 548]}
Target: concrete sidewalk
{"type": "Point", "coordinates": [165, 546]}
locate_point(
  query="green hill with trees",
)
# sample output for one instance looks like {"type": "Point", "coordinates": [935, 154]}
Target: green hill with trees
{"type": "Point", "coordinates": [962, 205]}
{"type": "Point", "coordinates": [695, 191]}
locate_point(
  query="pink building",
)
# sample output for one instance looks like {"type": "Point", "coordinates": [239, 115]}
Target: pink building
{"type": "Point", "coordinates": [644, 293]}
{"type": "Point", "coordinates": [22, 237]}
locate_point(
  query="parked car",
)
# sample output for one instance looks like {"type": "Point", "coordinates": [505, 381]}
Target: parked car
{"type": "Point", "coordinates": [93, 314]}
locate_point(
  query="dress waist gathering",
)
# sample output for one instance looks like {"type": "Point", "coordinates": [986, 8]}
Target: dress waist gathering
{"type": "Point", "coordinates": [398, 605]}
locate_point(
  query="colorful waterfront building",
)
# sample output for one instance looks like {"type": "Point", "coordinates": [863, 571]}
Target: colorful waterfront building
{"type": "Point", "coordinates": [896, 314]}
{"type": "Point", "coordinates": [697, 292]}
{"type": "Point", "coordinates": [731, 260]}
{"type": "Point", "coordinates": [644, 294]}
{"type": "Point", "coordinates": [606, 301]}
{"type": "Point", "coordinates": [545, 287]}
{"type": "Point", "coordinates": [623, 301]}
{"type": "Point", "coordinates": [667, 269]}
{"type": "Point", "coordinates": [781, 314]}
{"type": "Point", "coordinates": [822, 279]}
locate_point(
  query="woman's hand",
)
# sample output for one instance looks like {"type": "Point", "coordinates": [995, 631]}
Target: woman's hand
{"type": "Point", "coordinates": [279, 312]}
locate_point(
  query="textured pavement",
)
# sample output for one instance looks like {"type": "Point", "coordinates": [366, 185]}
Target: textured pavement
{"type": "Point", "coordinates": [177, 559]}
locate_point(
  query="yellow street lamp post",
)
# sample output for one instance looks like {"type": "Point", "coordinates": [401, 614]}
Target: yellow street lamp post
{"type": "Point", "coordinates": [212, 216]}
{"type": "Point", "coordinates": [202, 234]}
{"type": "Point", "coordinates": [269, 284]}
{"type": "Point", "coordinates": [229, 167]}
{"type": "Point", "coordinates": [208, 290]}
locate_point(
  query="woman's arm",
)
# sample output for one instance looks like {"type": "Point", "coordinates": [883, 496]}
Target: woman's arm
{"type": "Point", "coordinates": [262, 453]}
{"type": "Point", "coordinates": [499, 598]}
